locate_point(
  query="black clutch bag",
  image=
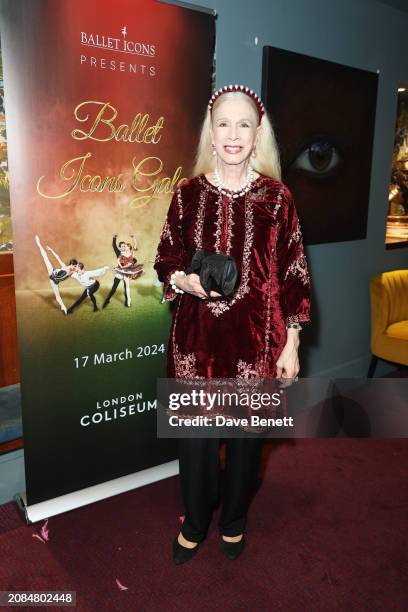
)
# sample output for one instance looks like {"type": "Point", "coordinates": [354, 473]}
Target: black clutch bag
{"type": "Point", "coordinates": [217, 272]}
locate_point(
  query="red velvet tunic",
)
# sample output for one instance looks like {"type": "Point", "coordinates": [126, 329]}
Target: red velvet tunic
{"type": "Point", "coordinates": [243, 336]}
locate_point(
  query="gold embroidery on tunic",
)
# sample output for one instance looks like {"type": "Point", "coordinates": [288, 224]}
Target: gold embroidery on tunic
{"type": "Point", "coordinates": [185, 365]}
{"type": "Point", "coordinates": [299, 268]}
{"type": "Point", "coordinates": [218, 307]}
{"type": "Point", "coordinates": [198, 230]}
{"type": "Point", "coordinates": [296, 235]}
{"type": "Point", "coordinates": [248, 371]}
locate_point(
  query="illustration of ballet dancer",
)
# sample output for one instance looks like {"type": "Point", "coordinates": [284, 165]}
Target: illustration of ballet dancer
{"type": "Point", "coordinates": [86, 278]}
{"type": "Point", "coordinates": [126, 268]}
{"type": "Point", "coordinates": [57, 275]}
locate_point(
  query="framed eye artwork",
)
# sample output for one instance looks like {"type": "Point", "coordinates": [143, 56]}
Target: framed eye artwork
{"type": "Point", "coordinates": [323, 114]}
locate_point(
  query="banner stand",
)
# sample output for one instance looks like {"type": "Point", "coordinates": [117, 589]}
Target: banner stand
{"type": "Point", "coordinates": [89, 495]}
{"type": "Point", "coordinates": [99, 99]}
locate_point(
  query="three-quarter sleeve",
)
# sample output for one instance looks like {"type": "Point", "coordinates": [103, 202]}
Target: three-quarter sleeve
{"type": "Point", "coordinates": [170, 251]}
{"type": "Point", "coordinates": [294, 274]}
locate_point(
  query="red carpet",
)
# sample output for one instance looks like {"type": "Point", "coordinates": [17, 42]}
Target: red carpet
{"type": "Point", "coordinates": [327, 531]}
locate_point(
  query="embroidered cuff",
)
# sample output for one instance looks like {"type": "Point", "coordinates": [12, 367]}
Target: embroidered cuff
{"type": "Point", "coordinates": [303, 319]}
{"type": "Point", "coordinates": [168, 292]}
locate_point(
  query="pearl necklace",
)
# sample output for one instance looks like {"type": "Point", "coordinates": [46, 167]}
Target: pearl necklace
{"type": "Point", "coordinates": [234, 193]}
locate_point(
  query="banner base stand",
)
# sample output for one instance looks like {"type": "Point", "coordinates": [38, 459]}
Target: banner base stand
{"type": "Point", "coordinates": [89, 495]}
{"type": "Point", "coordinates": [21, 501]}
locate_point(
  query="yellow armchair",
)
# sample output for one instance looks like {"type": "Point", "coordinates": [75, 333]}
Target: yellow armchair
{"type": "Point", "coordinates": [389, 318]}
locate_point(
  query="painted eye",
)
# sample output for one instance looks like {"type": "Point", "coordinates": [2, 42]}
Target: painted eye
{"type": "Point", "coordinates": [319, 158]}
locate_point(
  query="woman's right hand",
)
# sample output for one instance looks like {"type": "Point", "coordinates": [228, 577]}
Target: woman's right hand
{"type": "Point", "coordinates": [191, 284]}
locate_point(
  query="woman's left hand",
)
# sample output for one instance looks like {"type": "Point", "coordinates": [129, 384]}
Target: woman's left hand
{"type": "Point", "coordinates": [287, 366]}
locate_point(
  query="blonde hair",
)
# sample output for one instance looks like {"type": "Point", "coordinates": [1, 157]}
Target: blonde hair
{"type": "Point", "coordinates": [265, 162]}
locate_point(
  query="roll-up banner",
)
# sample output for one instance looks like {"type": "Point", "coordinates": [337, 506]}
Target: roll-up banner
{"type": "Point", "coordinates": [104, 103]}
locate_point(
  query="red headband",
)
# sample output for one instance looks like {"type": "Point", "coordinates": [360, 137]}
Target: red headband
{"type": "Point", "coordinates": [242, 89]}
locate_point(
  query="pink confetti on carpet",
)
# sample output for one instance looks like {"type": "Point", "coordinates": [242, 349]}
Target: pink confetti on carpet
{"type": "Point", "coordinates": [35, 535]}
{"type": "Point", "coordinates": [44, 531]}
{"type": "Point", "coordinates": [121, 587]}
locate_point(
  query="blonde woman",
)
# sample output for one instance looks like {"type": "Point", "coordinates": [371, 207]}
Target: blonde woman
{"type": "Point", "coordinates": [235, 204]}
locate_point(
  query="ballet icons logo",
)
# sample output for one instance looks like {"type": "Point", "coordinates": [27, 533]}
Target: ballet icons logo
{"type": "Point", "coordinates": [119, 53]}
{"type": "Point", "coordinates": [118, 44]}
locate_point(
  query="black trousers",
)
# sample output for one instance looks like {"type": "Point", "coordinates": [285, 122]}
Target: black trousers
{"type": "Point", "coordinates": [116, 282]}
{"type": "Point", "coordinates": [89, 292]}
{"type": "Point", "coordinates": [203, 489]}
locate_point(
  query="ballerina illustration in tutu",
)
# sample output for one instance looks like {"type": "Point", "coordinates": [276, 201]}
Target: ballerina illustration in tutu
{"type": "Point", "coordinates": [126, 268]}
{"type": "Point", "coordinates": [56, 275]}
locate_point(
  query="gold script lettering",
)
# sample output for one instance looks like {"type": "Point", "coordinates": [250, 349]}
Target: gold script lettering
{"type": "Point", "coordinates": [159, 186]}
{"type": "Point", "coordinates": [105, 117]}
{"type": "Point", "coordinates": [68, 172]}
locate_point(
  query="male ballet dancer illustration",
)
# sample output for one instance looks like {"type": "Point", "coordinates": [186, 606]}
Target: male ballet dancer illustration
{"type": "Point", "coordinates": [126, 269]}
{"type": "Point", "coordinates": [86, 278]}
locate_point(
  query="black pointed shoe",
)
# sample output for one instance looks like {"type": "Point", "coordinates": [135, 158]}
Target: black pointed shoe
{"type": "Point", "coordinates": [181, 554]}
{"type": "Point", "coordinates": [232, 550]}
